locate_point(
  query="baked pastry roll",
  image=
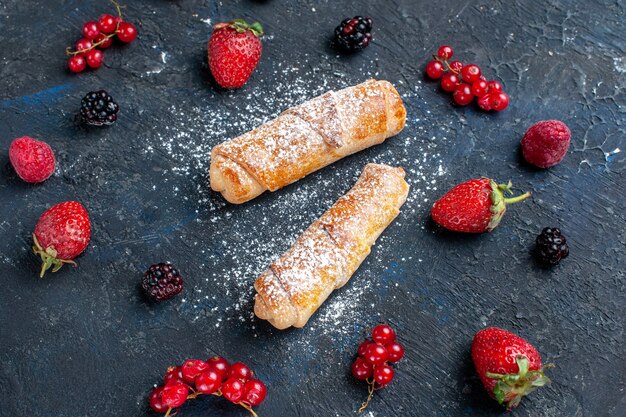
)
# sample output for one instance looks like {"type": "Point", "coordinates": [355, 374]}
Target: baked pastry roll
{"type": "Point", "coordinates": [326, 255]}
{"type": "Point", "coordinates": [306, 138]}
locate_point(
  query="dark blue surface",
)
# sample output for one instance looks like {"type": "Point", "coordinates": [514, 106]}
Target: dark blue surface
{"type": "Point", "coordinates": [84, 342]}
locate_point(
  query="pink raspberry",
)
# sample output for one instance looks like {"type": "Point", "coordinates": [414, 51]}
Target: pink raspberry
{"type": "Point", "coordinates": [32, 159]}
{"type": "Point", "coordinates": [545, 143]}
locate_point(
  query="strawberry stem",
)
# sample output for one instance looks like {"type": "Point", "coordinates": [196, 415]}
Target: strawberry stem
{"type": "Point", "coordinates": [517, 199]}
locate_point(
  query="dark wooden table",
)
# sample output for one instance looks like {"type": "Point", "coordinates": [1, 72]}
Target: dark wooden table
{"type": "Point", "coordinates": [84, 342]}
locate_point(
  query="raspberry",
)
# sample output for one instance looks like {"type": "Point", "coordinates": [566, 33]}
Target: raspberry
{"type": "Point", "coordinates": [98, 108]}
{"type": "Point", "coordinates": [162, 282]}
{"type": "Point", "coordinates": [354, 34]}
{"type": "Point", "coordinates": [33, 160]}
{"type": "Point", "coordinates": [545, 143]}
{"type": "Point", "coordinates": [551, 246]}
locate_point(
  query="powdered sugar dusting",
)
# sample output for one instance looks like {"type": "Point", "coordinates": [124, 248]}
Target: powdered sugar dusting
{"type": "Point", "coordinates": [241, 250]}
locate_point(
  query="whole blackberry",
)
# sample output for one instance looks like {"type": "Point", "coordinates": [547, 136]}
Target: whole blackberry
{"type": "Point", "coordinates": [98, 108]}
{"type": "Point", "coordinates": [162, 282]}
{"type": "Point", "coordinates": [551, 246]}
{"type": "Point", "coordinates": [354, 34]}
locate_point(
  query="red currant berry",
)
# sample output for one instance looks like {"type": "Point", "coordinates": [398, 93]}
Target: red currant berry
{"type": "Point", "coordinates": [240, 370]}
{"type": "Point", "coordinates": [254, 392]}
{"type": "Point", "coordinates": [83, 45]}
{"type": "Point", "coordinates": [95, 58]}
{"type": "Point", "coordinates": [174, 374]}
{"type": "Point", "coordinates": [192, 368]}
{"type": "Point", "coordinates": [479, 88]}
{"type": "Point", "coordinates": [107, 23]}
{"type": "Point", "coordinates": [383, 334]}
{"type": "Point", "coordinates": [155, 400]}
{"type": "Point", "coordinates": [395, 352]}
{"type": "Point", "coordinates": [445, 52]}
{"type": "Point", "coordinates": [174, 395]}
{"type": "Point", "coordinates": [434, 69]}
{"type": "Point", "coordinates": [232, 390]}
{"type": "Point", "coordinates": [494, 86]}
{"type": "Point", "coordinates": [375, 354]}
{"type": "Point", "coordinates": [456, 66]}
{"type": "Point", "coordinates": [361, 369]}
{"type": "Point", "coordinates": [77, 63]}
{"type": "Point", "coordinates": [103, 41]}
{"type": "Point", "coordinates": [463, 94]}
{"type": "Point", "coordinates": [361, 350]}
{"type": "Point", "coordinates": [126, 32]}
{"type": "Point", "coordinates": [383, 375]}
{"type": "Point", "coordinates": [484, 102]}
{"type": "Point", "coordinates": [90, 30]}
{"type": "Point", "coordinates": [449, 82]}
{"type": "Point", "coordinates": [470, 73]}
{"type": "Point", "coordinates": [219, 365]}
{"type": "Point", "coordinates": [499, 101]}
{"type": "Point", "coordinates": [208, 381]}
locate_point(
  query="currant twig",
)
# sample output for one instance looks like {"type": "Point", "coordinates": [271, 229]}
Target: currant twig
{"type": "Point", "coordinates": [250, 410]}
{"type": "Point", "coordinates": [370, 391]}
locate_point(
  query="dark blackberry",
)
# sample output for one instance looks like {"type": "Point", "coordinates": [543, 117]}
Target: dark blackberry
{"type": "Point", "coordinates": [162, 282]}
{"type": "Point", "coordinates": [98, 108]}
{"type": "Point", "coordinates": [354, 34]}
{"type": "Point", "coordinates": [551, 246]}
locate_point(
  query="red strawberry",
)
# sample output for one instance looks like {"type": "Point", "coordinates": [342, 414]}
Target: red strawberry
{"type": "Point", "coordinates": [234, 52]}
{"type": "Point", "coordinates": [62, 233]}
{"type": "Point", "coordinates": [474, 206]}
{"type": "Point", "coordinates": [32, 159]}
{"type": "Point", "coordinates": [545, 143]}
{"type": "Point", "coordinates": [508, 366]}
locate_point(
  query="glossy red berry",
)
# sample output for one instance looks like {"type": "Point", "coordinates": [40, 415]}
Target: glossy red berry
{"type": "Point", "coordinates": [484, 102]}
{"type": "Point", "coordinates": [77, 63]}
{"type": "Point", "coordinates": [107, 23]}
{"type": "Point", "coordinates": [94, 58]}
{"type": "Point", "coordinates": [219, 365]}
{"type": "Point", "coordinates": [126, 32]}
{"type": "Point", "coordinates": [383, 334]}
{"type": "Point", "coordinates": [232, 390]}
{"type": "Point", "coordinates": [449, 82]}
{"type": "Point", "coordinates": [463, 94]}
{"type": "Point", "coordinates": [240, 370]}
{"type": "Point", "coordinates": [254, 392]}
{"type": "Point", "coordinates": [445, 52]}
{"type": "Point", "coordinates": [494, 86]}
{"type": "Point", "coordinates": [155, 400]}
{"type": "Point", "coordinates": [434, 70]}
{"type": "Point", "coordinates": [456, 66]}
{"type": "Point", "coordinates": [90, 30]}
{"type": "Point", "coordinates": [174, 395]}
{"type": "Point", "coordinates": [375, 354]}
{"type": "Point", "coordinates": [362, 347]}
{"type": "Point", "coordinates": [103, 41]}
{"type": "Point", "coordinates": [83, 44]}
{"type": "Point", "coordinates": [470, 73]}
{"type": "Point", "coordinates": [192, 368]}
{"type": "Point", "coordinates": [383, 375]}
{"type": "Point", "coordinates": [479, 88]}
{"type": "Point", "coordinates": [208, 381]}
{"type": "Point", "coordinates": [174, 374]}
{"type": "Point", "coordinates": [499, 101]}
{"type": "Point", "coordinates": [361, 369]}
{"type": "Point", "coordinates": [395, 351]}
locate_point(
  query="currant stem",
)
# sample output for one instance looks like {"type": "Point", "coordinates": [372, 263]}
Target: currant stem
{"type": "Point", "coordinates": [106, 38]}
{"type": "Point", "coordinates": [250, 410]}
{"type": "Point", "coordinates": [370, 391]}
{"type": "Point", "coordinates": [518, 198]}
{"type": "Point", "coordinates": [169, 411]}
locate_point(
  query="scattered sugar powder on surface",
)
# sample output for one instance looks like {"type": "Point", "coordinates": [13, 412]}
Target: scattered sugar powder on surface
{"type": "Point", "coordinates": [241, 250]}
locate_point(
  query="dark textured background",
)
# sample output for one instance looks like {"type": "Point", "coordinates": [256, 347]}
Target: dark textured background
{"type": "Point", "coordinates": [84, 342]}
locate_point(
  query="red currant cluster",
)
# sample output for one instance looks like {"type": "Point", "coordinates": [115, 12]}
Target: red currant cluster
{"type": "Point", "coordinates": [98, 36]}
{"type": "Point", "coordinates": [466, 82]}
{"type": "Point", "coordinates": [374, 356]}
{"type": "Point", "coordinates": [213, 377]}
